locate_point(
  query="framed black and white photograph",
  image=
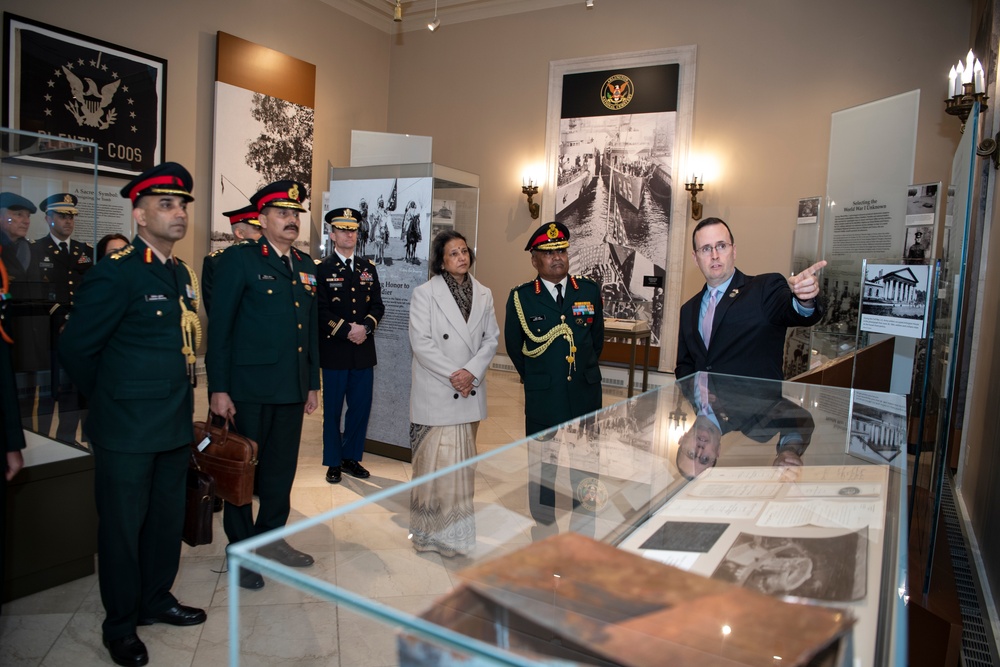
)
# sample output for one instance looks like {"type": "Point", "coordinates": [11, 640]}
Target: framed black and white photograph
{"type": "Point", "coordinates": [922, 203]}
{"type": "Point", "coordinates": [894, 299]}
{"type": "Point", "coordinates": [70, 86]}
{"type": "Point", "coordinates": [617, 136]}
{"type": "Point", "coordinates": [808, 213]}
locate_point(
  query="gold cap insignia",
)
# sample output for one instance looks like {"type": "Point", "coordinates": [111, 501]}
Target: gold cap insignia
{"type": "Point", "coordinates": [293, 192]}
{"type": "Point", "coordinates": [552, 232]}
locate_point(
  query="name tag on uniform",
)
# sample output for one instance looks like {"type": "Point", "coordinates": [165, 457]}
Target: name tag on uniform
{"type": "Point", "coordinates": [536, 318]}
{"type": "Point", "coordinates": [45, 264]}
{"type": "Point", "coordinates": [156, 297]}
{"type": "Point", "coordinates": [264, 276]}
{"type": "Point", "coordinates": [583, 308]}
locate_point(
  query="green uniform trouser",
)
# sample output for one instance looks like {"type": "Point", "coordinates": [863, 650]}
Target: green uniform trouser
{"type": "Point", "coordinates": [140, 509]}
{"type": "Point", "coordinates": [277, 430]}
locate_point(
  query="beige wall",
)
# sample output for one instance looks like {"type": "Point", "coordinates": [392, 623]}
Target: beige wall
{"type": "Point", "coordinates": [351, 58]}
{"type": "Point", "coordinates": [769, 74]}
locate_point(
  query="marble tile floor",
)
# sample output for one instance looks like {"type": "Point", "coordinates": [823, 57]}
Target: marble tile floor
{"type": "Point", "coordinates": [280, 625]}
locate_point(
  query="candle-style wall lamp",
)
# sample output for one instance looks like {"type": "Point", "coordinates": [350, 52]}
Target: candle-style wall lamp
{"type": "Point", "coordinates": [530, 188]}
{"type": "Point", "coordinates": [966, 86]}
{"type": "Point", "coordinates": [694, 187]}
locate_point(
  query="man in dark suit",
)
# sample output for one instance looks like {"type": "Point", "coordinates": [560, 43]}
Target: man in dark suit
{"type": "Point", "coordinates": [350, 308]}
{"type": "Point", "coordinates": [755, 408]}
{"type": "Point", "coordinates": [245, 227]}
{"type": "Point", "coordinates": [61, 263]}
{"type": "Point", "coordinates": [554, 334]}
{"type": "Point", "coordinates": [263, 361]}
{"type": "Point", "coordinates": [747, 316]}
{"type": "Point", "coordinates": [126, 346]}
{"type": "Point", "coordinates": [15, 220]}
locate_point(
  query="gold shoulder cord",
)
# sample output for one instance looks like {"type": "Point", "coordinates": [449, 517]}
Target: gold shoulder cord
{"type": "Point", "coordinates": [190, 325]}
{"type": "Point", "coordinates": [545, 341]}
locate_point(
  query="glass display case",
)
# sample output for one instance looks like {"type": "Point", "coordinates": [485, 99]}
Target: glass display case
{"type": "Point", "coordinates": [739, 499]}
{"type": "Point", "coordinates": [35, 298]}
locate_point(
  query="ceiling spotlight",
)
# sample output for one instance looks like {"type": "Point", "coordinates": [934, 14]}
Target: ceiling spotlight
{"type": "Point", "coordinates": [436, 23]}
{"type": "Point", "coordinates": [397, 12]}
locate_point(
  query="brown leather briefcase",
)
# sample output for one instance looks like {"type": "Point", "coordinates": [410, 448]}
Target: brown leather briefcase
{"type": "Point", "coordinates": [230, 458]}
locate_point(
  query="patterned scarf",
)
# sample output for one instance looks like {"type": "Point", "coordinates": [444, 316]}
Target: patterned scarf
{"type": "Point", "coordinates": [461, 292]}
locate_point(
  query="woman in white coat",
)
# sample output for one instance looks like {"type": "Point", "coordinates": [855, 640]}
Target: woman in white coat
{"type": "Point", "coordinates": [454, 334]}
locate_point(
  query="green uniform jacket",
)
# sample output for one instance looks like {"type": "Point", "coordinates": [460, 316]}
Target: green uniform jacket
{"type": "Point", "coordinates": [208, 277]}
{"type": "Point", "coordinates": [263, 345]}
{"type": "Point", "coordinates": [122, 347]}
{"type": "Point", "coordinates": [549, 397]}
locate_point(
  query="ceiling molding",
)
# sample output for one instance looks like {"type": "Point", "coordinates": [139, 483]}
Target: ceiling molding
{"type": "Point", "coordinates": [417, 13]}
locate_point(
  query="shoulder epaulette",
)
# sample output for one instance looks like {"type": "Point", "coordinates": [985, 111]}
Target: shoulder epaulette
{"type": "Point", "coordinates": [124, 252]}
{"type": "Point", "coordinates": [588, 279]}
{"type": "Point", "coordinates": [216, 253]}
{"type": "Point", "coordinates": [524, 284]}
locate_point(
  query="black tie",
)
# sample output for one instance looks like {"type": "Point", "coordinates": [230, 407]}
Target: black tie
{"type": "Point", "coordinates": [288, 262]}
{"type": "Point", "coordinates": [348, 262]}
{"type": "Point", "coordinates": [64, 247]}
{"type": "Point", "coordinates": [23, 253]}
{"type": "Point", "coordinates": [559, 295]}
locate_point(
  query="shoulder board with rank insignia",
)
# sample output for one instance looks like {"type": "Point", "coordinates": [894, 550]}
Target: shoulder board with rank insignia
{"type": "Point", "coordinates": [216, 253]}
{"type": "Point", "coordinates": [524, 284]}
{"type": "Point", "coordinates": [124, 252]}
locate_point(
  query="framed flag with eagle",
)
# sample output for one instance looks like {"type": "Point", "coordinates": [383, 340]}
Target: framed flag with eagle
{"type": "Point", "coordinates": [69, 86]}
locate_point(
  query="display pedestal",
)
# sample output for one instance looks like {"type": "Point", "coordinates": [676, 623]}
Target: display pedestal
{"type": "Point", "coordinates": [51, 525]}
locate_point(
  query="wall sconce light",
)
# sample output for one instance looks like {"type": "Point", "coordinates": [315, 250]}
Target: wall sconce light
{"type": "Point", "coordinates": [529, 188]}
{"type": "Point", "coordinates": [436, 23]}
{"type": "Point", "coordinates": [966, 86]}
{"type": "Point", "coordinates": [397, 12]}
{"type": "Point", "coordinates": [694, 187]}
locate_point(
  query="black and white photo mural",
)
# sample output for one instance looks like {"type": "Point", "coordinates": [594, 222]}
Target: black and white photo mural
{"type": "Point", "coordinates": [617, 138]}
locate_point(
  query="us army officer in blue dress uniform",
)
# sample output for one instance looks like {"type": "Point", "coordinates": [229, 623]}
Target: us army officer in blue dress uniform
{"type": "Point", "coordinates": [554, 333]}
{"type": "Point", "coordinates": [350, 308]}
{"type": "Point", "coordinates": [129, 346]}
{"type": "Point", "coordinates": [61, 263]}
{"type": "Point", "coordinates": [263, 361]}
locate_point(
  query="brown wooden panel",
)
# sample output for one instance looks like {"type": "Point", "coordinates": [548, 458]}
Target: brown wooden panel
{"type": "Point", "coordinates": [263, 70]}
{"type": "Point", "coordinates": [873, 369]}
{"type": "Point", "coordinates": [621, 353]}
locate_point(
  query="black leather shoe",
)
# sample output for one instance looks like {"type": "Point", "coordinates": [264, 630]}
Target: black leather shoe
{"type": "Point", "coordinates": [128, 651]}
{"type": "Point", "coordinates": [177, 615]}
{"type": "Point", "coordinates": [355, 469]}
{"type": "Point", "coordinates": [283, 552]}
{"type": "Point", "coordinates": [333, 474]}
{"type": "Point", "coordinates": [251, 580]}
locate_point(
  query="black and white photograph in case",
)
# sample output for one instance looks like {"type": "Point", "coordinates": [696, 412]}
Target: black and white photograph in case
{"type": "Point", "coordinates": [833, 569]}
{"type": "Point", "coordinates": [878, 427]}
{"type": "Point", "coordinates": [917, 247]}
{"type": "Point", "coordinates": [394, 233]}
{"type": "Point", "coordinates": [894, 299]}
{"type": "Point", "coordinates": [617, 132]}
{"type": "Point", "coordinates": [808, 211]}
{"type": "Point", "coordinates": [442, 216]}
{"type": "Point", "coordinates": [67, 85]}
{"type": "Point", "coordinates": [922, 204]}
{"type": "Point", "coordinates": [259, 139]}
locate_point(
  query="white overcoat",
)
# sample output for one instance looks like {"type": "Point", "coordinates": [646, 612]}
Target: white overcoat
{"type": "Point", "coordinates": [443, 342]}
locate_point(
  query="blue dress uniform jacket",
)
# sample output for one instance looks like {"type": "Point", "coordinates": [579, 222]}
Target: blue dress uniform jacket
{"type": "Point", "coordinates": [347, 297]}
{"type": "Point", "coordinates": [122, 347]}
{"type": "Point", "coordinates": [748, 332]}
{"type": "Point", "coordinates": [262, 346]}
{"type": "Point", "coordinates": [61, 273]}
{"type": "Point", "coordinates": [553, 391]}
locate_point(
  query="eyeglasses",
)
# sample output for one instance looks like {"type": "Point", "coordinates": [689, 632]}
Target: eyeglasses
{"type": "Point", "coordinates": [721, 247]}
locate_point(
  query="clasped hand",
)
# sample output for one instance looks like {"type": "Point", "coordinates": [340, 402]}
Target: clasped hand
{"type": "Point", "coordinates": [462, 380]}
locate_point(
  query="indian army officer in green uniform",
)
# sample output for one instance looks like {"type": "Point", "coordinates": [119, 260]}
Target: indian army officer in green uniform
{"type": "Point", "coordinates": [554, 333]}
{"type": "Point", "coordinates": [245, 227]}
{"type": "Point", "coordinates": [62, 262]}
{"type": "Point", "coordinates": [129, 346]}
{"type": "Point", "coordinates": [263, 361]}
